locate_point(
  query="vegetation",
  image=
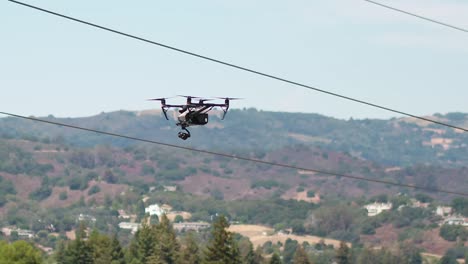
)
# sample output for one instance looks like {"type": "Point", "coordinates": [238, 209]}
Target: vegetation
{"type": "Point", "coordinates": [47, 181]}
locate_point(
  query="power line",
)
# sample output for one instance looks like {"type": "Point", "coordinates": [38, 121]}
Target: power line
{"type": "Point", "coordinates": [238, 157]}
{"type": "Point", "coordinates": [418, 16]}
{"type": "Point", "coordinates": [240, 67]}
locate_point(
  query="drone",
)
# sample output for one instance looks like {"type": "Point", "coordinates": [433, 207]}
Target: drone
{"type": "Point", "coordinates": [193, 113]}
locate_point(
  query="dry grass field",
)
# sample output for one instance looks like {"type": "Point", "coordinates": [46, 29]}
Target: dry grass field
{"type": "Point", "coordinates": [258, 235]}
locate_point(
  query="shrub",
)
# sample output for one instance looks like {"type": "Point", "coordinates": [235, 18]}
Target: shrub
{"type": "Point", "coordinates": [94, 189]}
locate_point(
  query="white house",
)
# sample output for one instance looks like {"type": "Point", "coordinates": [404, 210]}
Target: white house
{"type": "Point", "coordinates": [456, 221]}
{"type": "Point", "coordinates": [377, 208]}
{"type": "Point", "coordinates": [21, 232]}
{"type": "Point", "coordinates": [443, 210]}
{"type": "Point", "coordinates": [196, 226]}
{"type": "Point", "coordinates": [85, 217]}
{"type": "Point", "coordinates": [132, 226]}
{"type": "Point", "coordinates": [154, 209]}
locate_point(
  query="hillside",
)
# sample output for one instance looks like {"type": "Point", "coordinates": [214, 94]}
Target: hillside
{"type": "Point", "coordinates": [51, 175]}
{"type": "Point", "coordinates": [395, 142]}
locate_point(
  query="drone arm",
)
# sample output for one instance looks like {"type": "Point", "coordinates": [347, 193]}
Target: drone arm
{"type": "Point", "coordinates": [164, 110]}
{"type": "Point", "coordinates": [225, 109]}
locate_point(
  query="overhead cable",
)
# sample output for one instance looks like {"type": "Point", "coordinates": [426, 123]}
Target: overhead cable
{"type": "Point", "coordinates": [418, 16]}
{"type": "Point", "coordinates": [238, 157]}
{"type": "Point", "coordinates": [240, 67]}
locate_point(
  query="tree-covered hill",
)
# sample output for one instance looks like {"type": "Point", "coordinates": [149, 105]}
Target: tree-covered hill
{"type": "Point", "coordinates": [395, 142]}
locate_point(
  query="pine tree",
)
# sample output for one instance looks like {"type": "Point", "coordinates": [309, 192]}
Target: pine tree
{"type": "Point", "coordinates": [343, 254]}
{"type": "Point", "coordinates": [143, 243]}
{"type": "Point", "coordinates": [449, 258]}
{"type": "Point", "coordinates": [101, 247]}
{"type": "Point", "coordinates": [290, 247]}
{"type": "Point", "coordinates": [166, 247]}
{"type": "Point", "coordinates": [222, 247]}
{"type": "Point", "coordinates": [300, 257]}
{"type": "Point", "coordinates": [117, 254]}
{"type": "Point", "coordinates": [410, 254]}
{"type": "Point", "coordinates": [275, 259]}
{"type": "Point", "coordinates": [249, 257]}
{"type": "Point", "coordinates": [190, 253]}
{"type": "Point", "coordinates": [367, 256]}
{"type": "Point", "coordinates": [258, 257]}
{"type": "Point", "coordinates": [78, 251]}
{"type": "Point", "coordinates": [60, 254]}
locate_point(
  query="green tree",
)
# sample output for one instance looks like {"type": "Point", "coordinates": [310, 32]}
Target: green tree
{"type": "Point", "coordinates": [367, 255]}
{"type": "Point", "coordinates": [166, 247]}
{"type": "Point", "coordinates": [410, 254]}
{"type": "Point", "coordinates": [246, 251]}
{"type": "Point", "coordinates": [222, 248]}
{"type": "Point", "coordinates": [77, 251]}
{"type": "Point", "coordinates": [449, 258]}
{"type": "Point", "coordinates": [19, 252]}
{"type": "Point", "coordinates": [258, 256]}
{"type": "Point", "coordinates": [190, 252]}
{"type": "Point", "coordinates": [290, 247]}
{"type": "Point", "coordinates": [275, 259]}
{"type": "Point", "coordinates": [118, 256]}
{"type": "Point", "coordinates": [300, 256]}
{"type": "Point", "coordinates": [143, 244]}
{"type": "Point", "coordinates": [101, 247]}
{"type": "Point", "coordinates": [178, 219]}
{"type": "Point", "coordinates": [343, 254]}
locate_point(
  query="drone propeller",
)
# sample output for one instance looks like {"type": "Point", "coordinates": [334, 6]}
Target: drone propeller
{"type": "Point", "coordinates": [159, 99]}
{"type": "Point", "coordinates": [188, 96]}
{"type": "Point", "coordinates": [229, 98]}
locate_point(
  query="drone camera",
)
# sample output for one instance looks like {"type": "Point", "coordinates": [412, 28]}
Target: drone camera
{"type": "Point", "coordinates": [183, 135]}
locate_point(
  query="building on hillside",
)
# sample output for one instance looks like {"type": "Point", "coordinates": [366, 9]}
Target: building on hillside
{"type": "Point", "coordinates": [169, 188]}
{"type": "Point", "coordinates": [22, 233]}
{"type": "Point", "coordinates": [443, 210]}
{"type": "Point", "coordinates": [186, 226]}
{"type": "Point", "coordinates": [417, 204]}
{"type": "Point", "coordinates": [456, 221]}
{"type": "Point", "coordinates": [133, 227]}
{"type": "Point", "coordinates": [123, 214]}
{"type": "Point", "coordinates": [86, 218]}
{"type": "Point", "coordinates": [374, 209]}
{"type": "Point", "coordinates": [155, 209]}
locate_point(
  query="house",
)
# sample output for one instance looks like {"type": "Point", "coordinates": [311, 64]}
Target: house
{"type": "Point", "coordinates": [377, 208]}
{"type": "Point", "coordinates": [443, 210]}
{"type": "Point", "coordinates": [196, 226]}
{"type": "Point", "coordinates": [417, 204]}
{"type": "Point", "coordinates": [168, 188]}
{"type": "Point", "coordinates": [154, 209]}
{"type": "Point", "coordinates": [130, 226]}
{"type": "Point", "coordinates": [123, 214]}
{"type": "Point", "coordinates": [86, 218]}
{"type": "Point", "coordinates": [23, 233]}
{"type": "Point", "coordinates": [456, 221]}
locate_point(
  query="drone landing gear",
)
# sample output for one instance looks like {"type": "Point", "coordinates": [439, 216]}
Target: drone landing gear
{"type": "Point", "coordinates": [184, 135]}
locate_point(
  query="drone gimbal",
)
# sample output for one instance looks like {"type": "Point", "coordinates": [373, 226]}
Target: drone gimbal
{"type": "Point", "coordinates": [184, 135]}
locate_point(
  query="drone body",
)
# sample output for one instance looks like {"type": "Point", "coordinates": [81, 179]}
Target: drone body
{"type": "Point", "coordinates": [193, 113]}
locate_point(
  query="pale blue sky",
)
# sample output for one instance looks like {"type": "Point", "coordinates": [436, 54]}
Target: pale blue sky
{"type": "Point", "coordinates": [49, 65]}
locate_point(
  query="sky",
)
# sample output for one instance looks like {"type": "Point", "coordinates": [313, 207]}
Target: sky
{"type": "Point", "coordinates": [49, 65]}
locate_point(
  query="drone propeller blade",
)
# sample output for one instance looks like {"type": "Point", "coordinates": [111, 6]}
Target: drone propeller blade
{"type": "Point", "coordinates": [159, 99]}
{"type": "Point", "coordinates": [188, 96]}
{"type": "Point", "coordinates": [229, 98]}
